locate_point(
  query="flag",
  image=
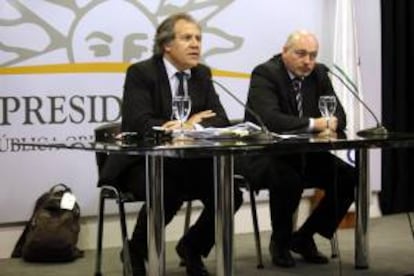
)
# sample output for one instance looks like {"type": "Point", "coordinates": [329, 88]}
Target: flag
{"type": "Point", "coordinates": [346, 64]}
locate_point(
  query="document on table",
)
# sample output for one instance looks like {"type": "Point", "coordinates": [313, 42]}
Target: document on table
{"type": "Point", "coordinates": [235, 131]}
{"type": "Point", "coordinates": [244, 130]}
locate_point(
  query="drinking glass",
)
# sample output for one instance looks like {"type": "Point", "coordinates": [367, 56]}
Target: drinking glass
{"type": "Point", "coordinates": [181, 107]}
{"type": "Point", "coordinates": [327, 106]}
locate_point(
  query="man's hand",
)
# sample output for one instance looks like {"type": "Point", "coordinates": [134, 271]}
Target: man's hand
{"type": "Point", "coordinates": [327, 133]}
{"type": "Point", "coordinates": [171, 125]}
{"type": "Point", "coordinates": [323, 123]}
{"type": "Point", "coordinates": [200, 116]}
{"type": "Point", "coordinates": [189, 124]}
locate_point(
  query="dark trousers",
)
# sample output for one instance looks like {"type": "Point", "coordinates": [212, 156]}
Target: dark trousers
{"type": "Point", "coordinates": [286, 176]}
{"type": "Point", "coordinates": [184, 179]}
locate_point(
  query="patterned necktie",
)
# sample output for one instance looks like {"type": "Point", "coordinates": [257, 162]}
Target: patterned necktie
{"type": "Point", "coordinates": [180, 76]}
{"type": "Point", "coordinates": [297, 85]}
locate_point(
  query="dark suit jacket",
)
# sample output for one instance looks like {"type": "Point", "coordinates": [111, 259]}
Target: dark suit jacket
{"type": "Point", "coordinates": [271, 96]}
{"type": "Point", "coordinates": [147, 103]}
{"type": "Point", "coordinates": [147, 96]}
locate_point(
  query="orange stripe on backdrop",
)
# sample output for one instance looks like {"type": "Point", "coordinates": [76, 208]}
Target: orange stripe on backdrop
{"type": "Point", "coordinates": [93, 68]}
{"type": "Point", "coordinates": [65, 68]}
{"type": "Point", "coordinates": [230, 74]}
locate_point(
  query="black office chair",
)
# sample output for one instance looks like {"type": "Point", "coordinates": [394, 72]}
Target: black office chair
{"type": "Point", "coordinates": [242, 182]}
{"type": "Point", "coordinates": [107, 133]}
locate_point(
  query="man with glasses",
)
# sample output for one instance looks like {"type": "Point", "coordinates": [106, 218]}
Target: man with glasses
{"type": "Point", "coordinates": [284, 91]}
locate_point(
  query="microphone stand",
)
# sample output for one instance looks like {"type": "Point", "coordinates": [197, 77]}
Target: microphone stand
{"type": "Point", "coordinates": [378, 130]}
{"type": "Point", "coordinates": [265, 134]}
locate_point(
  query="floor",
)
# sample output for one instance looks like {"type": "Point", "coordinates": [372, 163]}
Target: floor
{"type": "Point", "coordinates": [391, 253]}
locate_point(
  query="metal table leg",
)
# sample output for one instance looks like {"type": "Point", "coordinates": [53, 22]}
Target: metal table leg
{"type": "Point", "coordinates": [155, 211]}
{"type": "Point", "coordinates": [362, 211]}
{"type": "Point", "coordinates": [223, 172]}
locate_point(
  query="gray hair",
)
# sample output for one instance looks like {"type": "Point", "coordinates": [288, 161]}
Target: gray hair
{"type": "Point", "coordinates": [296, 35]}
{"type": "Point", "coordinates": [165, 31]}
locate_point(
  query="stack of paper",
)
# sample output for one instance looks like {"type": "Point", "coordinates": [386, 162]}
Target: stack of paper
{"type": "Point", "coordinates": [240, 130]}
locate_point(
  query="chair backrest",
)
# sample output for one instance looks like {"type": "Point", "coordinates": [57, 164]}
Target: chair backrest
{"type": "Point", "coordinates": [105, 133]}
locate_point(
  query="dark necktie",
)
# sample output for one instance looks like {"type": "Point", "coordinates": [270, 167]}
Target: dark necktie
{"type": "Point", "coordinates": [297, 88]}
{"type": "Point", "coordinates": [180, 76]}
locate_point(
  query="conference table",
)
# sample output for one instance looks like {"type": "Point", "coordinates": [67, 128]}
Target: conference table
{"type": "Point", "coordinates": [223, 152]}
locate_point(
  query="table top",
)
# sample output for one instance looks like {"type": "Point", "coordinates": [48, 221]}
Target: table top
{"type": "Point", "coordinates": [256, 144]}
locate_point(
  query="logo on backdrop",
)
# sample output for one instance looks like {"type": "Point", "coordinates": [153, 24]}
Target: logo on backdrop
{"type": "Point", "coordinates": [39, 38]}
{"type": "Point", "coordinates": [99, 30]}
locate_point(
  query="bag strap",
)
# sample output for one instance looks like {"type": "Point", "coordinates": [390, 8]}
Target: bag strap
{"type": "Point", "coordinates": [60, 187]}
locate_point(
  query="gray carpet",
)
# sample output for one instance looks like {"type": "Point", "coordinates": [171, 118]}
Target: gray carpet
{"type": "Point", "coordinates": [391, 253]}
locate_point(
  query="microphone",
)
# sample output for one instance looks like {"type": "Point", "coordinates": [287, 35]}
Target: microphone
{"type": "Point", "coordinates": [379, 130]}
{"type": "Point", "coordinates": [266, 133]}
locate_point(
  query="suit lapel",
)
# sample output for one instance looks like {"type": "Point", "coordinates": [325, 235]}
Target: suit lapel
{"type": "Point", "coordinates": [195, 91]}
{"type": "Point", "coordinates": [192, 88]}
{"type": "Point", "coordinates": [290, 95]}
{"type": "Point", "coordinates": [164, 90]}
{"type": "Point", "coordinates": [286, 88]}
{"type": "Point", "coordinates": [305, 96]}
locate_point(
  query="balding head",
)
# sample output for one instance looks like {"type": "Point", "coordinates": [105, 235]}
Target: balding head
{"type": "Point", "coordinates": [300, 35]}
{"type": "Point", "coordinates": [300, 52]}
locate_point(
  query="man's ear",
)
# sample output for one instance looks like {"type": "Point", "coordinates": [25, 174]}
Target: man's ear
{"type": "Point", "coordinates": [167, 48]}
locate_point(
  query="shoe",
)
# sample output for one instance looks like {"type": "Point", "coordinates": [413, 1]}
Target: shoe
{"type": "Point", "coordinates": [192, 260]}
{"type": "Point", "coordinates": [137, 262]}
{"type": "Point", "coordinates": [281, 256]}
{"type": "Point", "coordinates": [138, 267]}
{"type": "Point", "coordinates": [306, 247]}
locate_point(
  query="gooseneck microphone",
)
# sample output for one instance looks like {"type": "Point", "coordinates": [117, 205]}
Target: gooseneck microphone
{"type": "Point", "coordinates": [266, 132]}
{"type": "Point", "coordinates": [379, 130]}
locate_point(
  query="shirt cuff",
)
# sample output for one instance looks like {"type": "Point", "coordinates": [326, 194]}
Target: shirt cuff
{"type": "Point", "coordinates": [311, 124]}
{"type": "Point", "coordinates": [198, 127]}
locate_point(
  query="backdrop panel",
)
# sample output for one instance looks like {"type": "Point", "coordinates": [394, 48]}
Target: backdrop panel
{"type": "Point", "coordinates": [63, 65]}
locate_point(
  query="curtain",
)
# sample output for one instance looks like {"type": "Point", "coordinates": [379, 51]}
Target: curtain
{"type": "Point", "coordinates": [397, 23]}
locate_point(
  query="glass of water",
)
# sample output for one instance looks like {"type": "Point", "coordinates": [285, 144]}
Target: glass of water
{"type": "Point", "coordinates": [327, 106]}
{"type": "Point", "coordinates": [181, 107]}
